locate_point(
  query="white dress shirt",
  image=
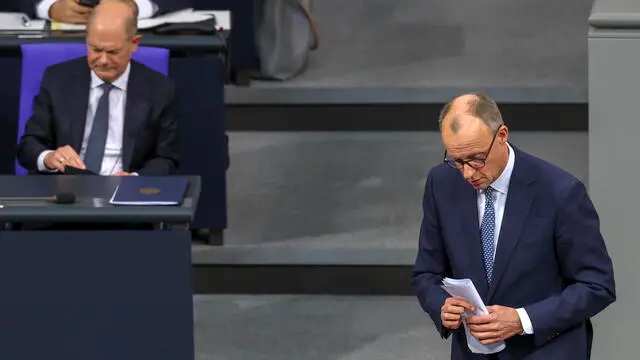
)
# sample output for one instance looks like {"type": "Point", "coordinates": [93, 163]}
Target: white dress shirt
{"type": "Point", "coordinates": [501, 187]}
{"type": "Point", "coordinates": [146, 9]}
{"type": "Point", "coordinates": [112, 160]}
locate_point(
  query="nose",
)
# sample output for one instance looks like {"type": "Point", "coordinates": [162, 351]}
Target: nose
{"type": "Point", "coordinates": [467, 171]}
{"type": "Point", "coordinates": [102, 60]}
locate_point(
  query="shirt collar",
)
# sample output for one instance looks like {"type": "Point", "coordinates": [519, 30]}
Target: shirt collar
{"type": "Point", "coordinates": [120, 83]}
{"type": "Point", "coordinates": [502, 182]}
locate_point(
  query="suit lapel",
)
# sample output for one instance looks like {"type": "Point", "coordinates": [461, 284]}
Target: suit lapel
{"type": "Point", "coordinates": [78, 106]}
{"type": "Point", "coordinates": [517, 208]}
{"type": "Point", "coordinates": [136, 108]}
{"type": "Point", "coordinates": [471, 242]}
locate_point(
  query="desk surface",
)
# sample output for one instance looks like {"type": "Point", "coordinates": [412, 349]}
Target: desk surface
{"type": "Point", "coordinates": [208, 43]}
{"type": "Point", "coordinates": [92, 201]}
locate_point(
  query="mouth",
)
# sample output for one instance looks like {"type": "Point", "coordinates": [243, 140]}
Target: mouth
{"type": "Point", "coordinates": [476, 182]}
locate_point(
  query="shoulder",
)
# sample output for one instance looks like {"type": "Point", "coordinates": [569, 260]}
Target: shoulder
{"type": "Point", "coordinates": [66, 68]}
{"type": "Point", "coordinates": [150, 76]}
{"type": "Point", "coordinates": [549, 178]}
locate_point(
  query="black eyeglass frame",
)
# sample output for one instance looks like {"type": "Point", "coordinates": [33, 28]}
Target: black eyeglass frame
{"type": "Point", "coordinates": [476, 163]}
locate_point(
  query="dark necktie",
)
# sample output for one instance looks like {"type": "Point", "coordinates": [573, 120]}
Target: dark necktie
{"type": "Point", "coordinates": [99, 130]}
{"type": "Point", "coordinates": [487, 232]}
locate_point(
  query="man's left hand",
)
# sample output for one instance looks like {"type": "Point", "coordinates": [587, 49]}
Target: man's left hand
{"type": "Point", "coordinates": [123, 173]}
{"type": "Point", "coordinates": [501, 323]}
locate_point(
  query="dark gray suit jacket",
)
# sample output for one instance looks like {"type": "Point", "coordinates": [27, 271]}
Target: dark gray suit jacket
{"type": "Point", "coordinates": [150, 139]}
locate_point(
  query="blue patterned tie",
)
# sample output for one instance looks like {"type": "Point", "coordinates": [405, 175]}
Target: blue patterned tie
{"type": "Point", "coordinates": [99, 130]}
{"type": "Point", "coordinates": [487, 231]}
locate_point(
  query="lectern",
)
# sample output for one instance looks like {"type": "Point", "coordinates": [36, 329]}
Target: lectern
{"type": "Point", "coordinates": [94, 294]}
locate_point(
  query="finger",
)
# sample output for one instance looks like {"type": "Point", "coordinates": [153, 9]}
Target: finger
{"type": "Point", "coordinates": [451, 324]}
{"type": "Point", "coordinates": [453, 309]}
{"type": "Point", "coordinates": [490, 327]}
{"type": "Point", "coordinates": [481, 319]}
{"type": "Point", "coordinates": [74, 157]}
{"type": "Point", "coordinates": [486, 336]}
{"type": "Point", "coordinates": [493, 308]}
{"type": "Point", "coordinates": [70, 157]}
{"type": "Point", "coordinates": [462, 303]}
{"type": "Point", "coordinates": [77, 8]}
{"type": "Point", "coordinates": [450, 317]}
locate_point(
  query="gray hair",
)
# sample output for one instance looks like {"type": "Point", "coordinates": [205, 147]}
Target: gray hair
{"type": "Point", "coordinates": [480, 106]}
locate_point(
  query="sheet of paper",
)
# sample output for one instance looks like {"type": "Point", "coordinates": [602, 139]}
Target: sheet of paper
{"type": "Point", "coordinates": [12, 21]}
{"type": "Point", "coordinates": [178, 17]}
{"type": "Point", "coordinates": [464, 288]}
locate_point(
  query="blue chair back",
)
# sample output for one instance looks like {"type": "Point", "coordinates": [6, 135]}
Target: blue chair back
{"type": "Point", "coordinates": [36, 58]}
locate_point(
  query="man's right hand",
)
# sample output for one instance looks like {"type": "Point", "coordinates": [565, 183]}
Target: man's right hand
{"type": "Point", "coordinates": [69, 11]}
{"type": "Point", "coordinates": [64, 155]}
{"type": "Point", "coordinates": [452, 310]}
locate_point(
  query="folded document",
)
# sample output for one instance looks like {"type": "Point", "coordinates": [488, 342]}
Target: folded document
{"type": "Point", "coordinates": [464, 288]}
{"type": "Point", "coordinates": [143, 190]}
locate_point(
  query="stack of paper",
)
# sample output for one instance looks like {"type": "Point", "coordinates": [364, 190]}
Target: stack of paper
{"type": "Point", "coordinates": [464, 288]}
{"type": "Point", "coordinates": [12, 21]}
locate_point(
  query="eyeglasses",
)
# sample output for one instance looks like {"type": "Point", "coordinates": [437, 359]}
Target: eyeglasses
{"type": "Point", "coordinates": [475, 163]}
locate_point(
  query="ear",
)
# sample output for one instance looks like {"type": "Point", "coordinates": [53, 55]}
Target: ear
{"type": "Point", "coordinates": [135, 41]}
{"type": "Point", "coordinates": [503, 134]}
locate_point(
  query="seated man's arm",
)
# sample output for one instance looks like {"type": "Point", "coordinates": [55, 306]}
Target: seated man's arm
{"type": "Point", "coordinates": [37, 138]}
{"type": "Point", "coordinates": [72, 12]}
{"type": "Point", "coordinates": [165, 159]}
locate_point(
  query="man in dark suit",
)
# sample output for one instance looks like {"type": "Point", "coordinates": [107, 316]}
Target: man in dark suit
{"type": "Point", "coordinates": [105, 113]}
{"type": "Point", "coordinates": [524, 231]}
{"type": "Point", "coordinates": [73, 11]}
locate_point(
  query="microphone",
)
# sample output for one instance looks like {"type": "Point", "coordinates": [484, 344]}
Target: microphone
{"type": "Point", "coordinates": [59, 198]}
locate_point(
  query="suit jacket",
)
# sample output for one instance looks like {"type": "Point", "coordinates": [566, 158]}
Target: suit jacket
{"type": "Point", "coordinates": [550, 259]}
{"type": "Point", "coordinates": [150, 139]}
{"type": "Point", "coordinates": [29, 6]}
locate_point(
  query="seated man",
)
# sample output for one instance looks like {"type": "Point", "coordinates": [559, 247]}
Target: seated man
{"type": "Point", "coordinates": [77, 11]}
{"type": "Point", "coordinates": [105, 113]}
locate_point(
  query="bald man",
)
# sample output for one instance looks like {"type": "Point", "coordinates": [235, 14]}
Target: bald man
{"type": "Point", "coordinates": [105, 113]}
{"type": "Point", "coordinates": [523, 230]}
{"type": "Point", "coordinates": [77, 11]}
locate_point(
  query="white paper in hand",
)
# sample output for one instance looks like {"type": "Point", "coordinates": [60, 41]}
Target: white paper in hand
{"type": "Point", "coordinates": [464, 288]}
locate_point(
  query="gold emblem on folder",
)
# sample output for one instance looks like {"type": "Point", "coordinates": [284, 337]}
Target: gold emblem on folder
{"type": "Point", "coordinates": [149, 191]}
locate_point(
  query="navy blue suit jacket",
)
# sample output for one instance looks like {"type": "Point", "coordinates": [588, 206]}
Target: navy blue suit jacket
{"type": "Point", "coordinates": [150, 139]}
{"type": "Point", "coordinates": [551, 258]}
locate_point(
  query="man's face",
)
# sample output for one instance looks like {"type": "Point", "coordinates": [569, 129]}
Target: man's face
{"type": "Point", "coordinates": [478, 152]}
{"type": "Point", "coordinates": [109, 52]}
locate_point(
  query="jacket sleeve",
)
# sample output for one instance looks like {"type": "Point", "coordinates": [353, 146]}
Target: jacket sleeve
{"type": "Point", "coordinates": [585, 266]}
{"type": "Point", "coordinates": [432, 264]}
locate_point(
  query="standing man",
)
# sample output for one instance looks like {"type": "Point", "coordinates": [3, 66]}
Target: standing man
{"type": "Point", "coordinates": [77, 11]}
{"type": "Point", "coordinates": [524, 231]}
{"type": "Point", "coordinates": [105, 112]}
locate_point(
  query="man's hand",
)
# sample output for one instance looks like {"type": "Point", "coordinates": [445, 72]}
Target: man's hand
{"type": "Point", "coordinates": [64, 155]}
{"type": "Point", "coordinates": [123, 173]}
{"type": "Point", "coordinates": [452, 310]}
{"type": "Point", "coordinates": [69, 11]}
{"type": "Point", "coordinates": [501, 323]}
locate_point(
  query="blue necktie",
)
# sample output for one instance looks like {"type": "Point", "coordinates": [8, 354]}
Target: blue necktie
{"type": "Point", "coordinates": [99, 130]}
{"type": "Point", "coordinates": [487, 231]}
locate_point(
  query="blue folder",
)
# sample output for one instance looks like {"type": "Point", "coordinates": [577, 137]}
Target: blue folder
{"type": "Point", "coordinates": [143, 190]}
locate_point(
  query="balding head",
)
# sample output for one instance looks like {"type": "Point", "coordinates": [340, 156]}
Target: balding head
{"type": "Point", "coordinates": [473, 105]}
{"type": "Point", "coordinates": [112, 38]}
{"type": "Point", "coordinates": [475, 138]}
{"type": "Point", "coordinates": [115, 15]}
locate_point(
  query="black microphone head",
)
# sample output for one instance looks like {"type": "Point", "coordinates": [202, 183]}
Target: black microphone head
{"type": "Point", "coordinates": [65, 198]}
